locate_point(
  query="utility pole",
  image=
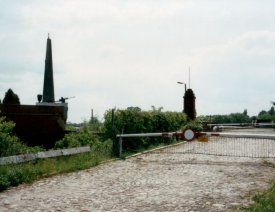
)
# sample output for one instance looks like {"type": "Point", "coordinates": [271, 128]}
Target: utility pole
{"type": "Point", "coordinates": [189, 76]}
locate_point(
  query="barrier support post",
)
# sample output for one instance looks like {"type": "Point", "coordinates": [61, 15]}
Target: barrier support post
{"type": "Point", "coordinates": [120, 147]}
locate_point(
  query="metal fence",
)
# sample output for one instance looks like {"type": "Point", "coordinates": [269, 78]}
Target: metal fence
{"type": "Point", "coordinates": [220, 144]}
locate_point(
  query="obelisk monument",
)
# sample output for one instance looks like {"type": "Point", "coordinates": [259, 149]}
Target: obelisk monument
{"type": "Point", "coordinates": [48, 88]}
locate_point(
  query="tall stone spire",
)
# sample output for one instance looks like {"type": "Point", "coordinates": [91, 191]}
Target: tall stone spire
{"type": "Point", "coordinates": [48, 88]}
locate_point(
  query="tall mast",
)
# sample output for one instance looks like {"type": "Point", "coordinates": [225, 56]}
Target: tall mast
{"type": "Point", "coordinates": [48, 88]}
{"type": "Point", "coordinates": [189, 76]}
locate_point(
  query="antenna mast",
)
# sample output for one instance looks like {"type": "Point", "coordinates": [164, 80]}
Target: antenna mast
{"type": "Point", "coordinates": [189, 76]}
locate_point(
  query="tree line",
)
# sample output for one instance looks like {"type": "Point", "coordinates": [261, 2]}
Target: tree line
{"type": "Point", "coordinates": [263, 116]}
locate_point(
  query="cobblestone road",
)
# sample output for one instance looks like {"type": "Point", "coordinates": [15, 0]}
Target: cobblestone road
{"type": "Point", "coordinates": [150, 182]}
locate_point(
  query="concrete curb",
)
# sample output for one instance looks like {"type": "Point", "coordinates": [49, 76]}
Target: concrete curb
{"type": "Point", "coordinates": [42, 155]}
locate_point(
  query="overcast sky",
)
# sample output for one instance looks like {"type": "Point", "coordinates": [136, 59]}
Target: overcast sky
{"type": "Point", "coordinates": [121, 53]}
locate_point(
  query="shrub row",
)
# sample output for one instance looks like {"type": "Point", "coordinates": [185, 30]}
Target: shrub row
{"type": "Point", "coordinates": [134, 120]}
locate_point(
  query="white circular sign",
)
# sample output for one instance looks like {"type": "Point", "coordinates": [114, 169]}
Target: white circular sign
{"type": "Point", "coordinates": [188, 134]}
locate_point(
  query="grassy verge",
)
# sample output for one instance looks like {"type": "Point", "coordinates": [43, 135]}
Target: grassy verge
{"type": "Point", "coordinates": [13, 175]}
{"type": "Point", "coordinates": [264, 202]}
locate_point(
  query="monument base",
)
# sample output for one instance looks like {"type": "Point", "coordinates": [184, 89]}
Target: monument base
{"type": "Point", "coordinates": [37, 125]}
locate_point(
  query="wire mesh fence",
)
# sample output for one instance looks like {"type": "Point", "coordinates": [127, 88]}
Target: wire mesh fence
{"type": "Point", "coordinates": [219, 144]}
{"type": "Point", "coordinates": [225, 146]}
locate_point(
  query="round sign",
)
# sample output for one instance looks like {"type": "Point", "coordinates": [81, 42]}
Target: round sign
{"type": "Point", "coordinates": [188, 135]}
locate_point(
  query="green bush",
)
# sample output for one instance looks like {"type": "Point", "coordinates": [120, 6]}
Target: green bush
{"type": "Point", "coordinates": [76, 139]}
{"type": "Point", "coordinates": [4, 182]}
{"type": "Point", "coordinates": [15, 177]}
{"type": "Point", "coordinates": [12, 177]}
{"type": "Point", "coordinates": [264, 201]}
{"type": "Point", "coordinates": [194, 125]}
{"type": "Point", "coordinates": [10, 144]}
{"type": "Point", "coordinates": [134, 120]}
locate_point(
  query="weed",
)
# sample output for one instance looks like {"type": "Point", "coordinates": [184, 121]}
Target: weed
{"type": "Point", "coordinates": [264, 202]}
{"type": "Point", "coordinates": [268, 163]}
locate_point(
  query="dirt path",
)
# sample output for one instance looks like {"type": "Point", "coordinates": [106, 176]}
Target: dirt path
{"type": "Point", "coordinates": [151, 182]}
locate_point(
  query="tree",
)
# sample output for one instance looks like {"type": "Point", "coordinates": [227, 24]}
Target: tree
{"type": "Point", "coordinates": [239, 118]}
{"type": "Point", "coordinates": [263, 112]}
{"type": "Point", "coordinates": [11, 98]}
{"type": "Point", "coordinates": [189, 104]}
{"type": "Point", "coordinates": [264, 116]}
{"type": "Point", "coordinates": [271, 111]}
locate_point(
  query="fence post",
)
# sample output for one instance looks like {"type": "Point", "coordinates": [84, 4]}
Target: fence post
{"type": "Point", "coordinates": [120, 147]}
{"type": "Point", "coordinates": [115, 144]}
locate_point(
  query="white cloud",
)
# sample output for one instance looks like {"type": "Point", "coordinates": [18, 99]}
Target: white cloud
{"type": "Point", "coordinates": [237, 74]}
{"type": "Point", "coordinates": [132, 53]}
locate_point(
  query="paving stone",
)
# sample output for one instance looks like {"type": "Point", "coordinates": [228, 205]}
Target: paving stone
{"type": "Point", "coordinates": [152, 182]}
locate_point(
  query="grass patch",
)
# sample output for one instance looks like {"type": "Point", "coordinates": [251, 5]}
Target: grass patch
{"type": "Point", "coordinates": [13, 175]}
{"type": "Point", "coordinates": [264, 202]}
{"type": "Point", "coordinates": [268, 163]}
